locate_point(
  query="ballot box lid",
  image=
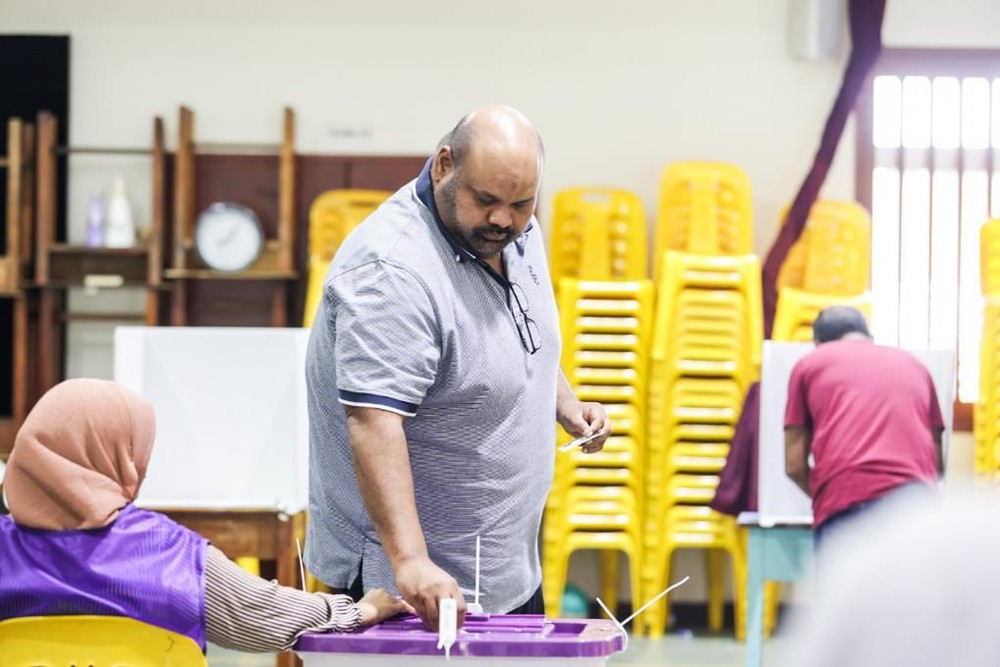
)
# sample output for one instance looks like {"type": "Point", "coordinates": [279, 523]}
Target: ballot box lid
{"type": "Point", "coordinates": [492, 635]}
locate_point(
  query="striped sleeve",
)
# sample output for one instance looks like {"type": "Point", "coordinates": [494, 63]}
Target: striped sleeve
{"type": "Point", "coordinates": [247, 613]}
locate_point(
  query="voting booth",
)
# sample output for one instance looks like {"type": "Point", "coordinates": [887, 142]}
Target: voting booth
{"type": "Point", "coordinates": [779, 500]}
{"type": "Point", "coordinates": [231, 423]}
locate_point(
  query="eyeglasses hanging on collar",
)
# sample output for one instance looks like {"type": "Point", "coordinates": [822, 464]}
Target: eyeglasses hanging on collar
{"type": "Point", "coordinates": [526, 327]}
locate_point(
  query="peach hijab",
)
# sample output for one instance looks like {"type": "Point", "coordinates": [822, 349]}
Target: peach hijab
{"type": "Point", "coordinates": [80, 456]}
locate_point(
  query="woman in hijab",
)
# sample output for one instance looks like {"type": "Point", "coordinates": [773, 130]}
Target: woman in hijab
{"type": "Point", "coordinates": [75, 544]}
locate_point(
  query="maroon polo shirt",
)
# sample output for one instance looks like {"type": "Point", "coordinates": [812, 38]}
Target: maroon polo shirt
{"type": "Point", "coordinates": [872, 411]}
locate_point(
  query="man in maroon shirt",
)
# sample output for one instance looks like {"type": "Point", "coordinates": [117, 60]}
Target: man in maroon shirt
{"type": "Point", "coordinates": [869, 415]}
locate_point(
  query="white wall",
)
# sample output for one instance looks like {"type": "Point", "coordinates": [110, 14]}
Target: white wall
{"type": "Point", "coordinates": [617, 89]}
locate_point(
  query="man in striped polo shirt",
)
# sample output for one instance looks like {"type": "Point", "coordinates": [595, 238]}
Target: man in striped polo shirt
{"type": "Point", "coordinates": [434, 383]}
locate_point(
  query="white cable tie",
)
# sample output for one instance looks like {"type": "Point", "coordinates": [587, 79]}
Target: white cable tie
{"type": "Point", "coordinates": [447, 625]}
{"type": "Point", "coordinates": [621, 624]}
{"type": "Point", "coordinates": [302, 567]}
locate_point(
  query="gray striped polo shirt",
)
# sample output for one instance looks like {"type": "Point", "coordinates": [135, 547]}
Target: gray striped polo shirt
{"type": "Point", "coordinates": [411, 322]}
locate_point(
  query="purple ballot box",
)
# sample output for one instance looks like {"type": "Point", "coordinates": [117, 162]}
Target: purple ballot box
{"type": "Point", "coordinates": [485, 641]}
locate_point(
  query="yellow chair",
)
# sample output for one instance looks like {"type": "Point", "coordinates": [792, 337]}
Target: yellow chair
{"type": "Point", "coordinates": [985, 426]}
{"type": "Point", "coordinates": [797, 310]}
{"type": "Point", "coordinates": [833, 255]}
{"type": "Point", "coordinates": [93, 641]}
{"type": "Point", "coordinates": [598, 234]}
{"type": "Point", "coordinates": [705, 208]}
{"type": "Point", "coordinates": [989, 257]}
{"type": "Point", "coordinates": [332, 216]}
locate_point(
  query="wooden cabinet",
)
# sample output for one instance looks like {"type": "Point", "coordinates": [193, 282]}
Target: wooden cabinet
{"type": "Point", "coordinates": [60, 266]}
{"type": "Point", "coordinates": [202, 178]}
{"type": "Point", "coordinates": [16, 296]}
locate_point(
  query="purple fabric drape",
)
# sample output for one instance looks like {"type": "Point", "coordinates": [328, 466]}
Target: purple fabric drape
{"type": "Point", "coordinates": [737, 491]}
{"type": "Point", "coordinates": [866, 38]}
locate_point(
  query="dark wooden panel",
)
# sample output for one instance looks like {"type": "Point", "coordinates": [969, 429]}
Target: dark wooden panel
{"type": "Point", "coordinates": [70, 265]}
{"type": "Point", "coordinates": [250, 180]}
{"type": "Point", "coordinates": [229, 303]}
{"type": "Point", "coordinates": [384, 172]}
{"type": "Point", "coordinates": [7, 432]}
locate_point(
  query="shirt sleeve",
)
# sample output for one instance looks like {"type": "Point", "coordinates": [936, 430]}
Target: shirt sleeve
{"type": "Point", "coordinates": [247, 613]}
{"type": "Point", "coordinates": [388, 340]}
{"type": "Point", "coordinates": [797, 407]}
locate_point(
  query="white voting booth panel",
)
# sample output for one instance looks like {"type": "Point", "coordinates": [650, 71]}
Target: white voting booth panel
{"type": "Point", "coordinates": [779, 500]}
{"type": "Point", "coordinates": [231, 421]}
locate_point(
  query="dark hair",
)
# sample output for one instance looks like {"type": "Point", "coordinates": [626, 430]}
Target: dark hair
{"type": "Point", "coordinates": [835, 322]}
{"type": "Point", "coordinates": [459, 140]}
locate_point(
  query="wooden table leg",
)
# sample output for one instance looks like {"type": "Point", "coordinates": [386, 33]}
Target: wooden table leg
{"type": "Point", "coordinates": [290, 529]}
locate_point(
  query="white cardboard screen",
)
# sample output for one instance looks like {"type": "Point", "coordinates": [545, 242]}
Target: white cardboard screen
{"type": "Point", "coordinates": [779, 500]}
{"type": "Point", "coordinates": [231, 420]}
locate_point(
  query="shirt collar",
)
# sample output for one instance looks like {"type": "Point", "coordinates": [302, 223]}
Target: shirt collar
{"type": "Point", "coordinates": [425, 193]}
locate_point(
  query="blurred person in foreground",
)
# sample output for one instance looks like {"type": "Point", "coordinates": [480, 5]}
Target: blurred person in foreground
{"type": "Point", "coordinates": [913, 583]}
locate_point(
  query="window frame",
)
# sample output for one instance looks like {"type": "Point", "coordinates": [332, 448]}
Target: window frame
{"type": "Point", "coordinates": [924, 62]}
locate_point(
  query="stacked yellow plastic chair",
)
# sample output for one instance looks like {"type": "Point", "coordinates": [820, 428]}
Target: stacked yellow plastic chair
{"type": "Point", "coordinates": [706, 351]}
{"type": "Point", "coordinates": [829, 265]}
{"type": "Point", "coordinates": [986, 422]}
{"type": "Point", "coordinates": [598, 234]}
{"type": "Point", "coordinates": [332, 216]}
{"type": "Point", "coordinates": [595, 501]}
{"type": "Point", "coordinates": [705, 208]}
{"type": "Point", "coordinates": [93, 641]}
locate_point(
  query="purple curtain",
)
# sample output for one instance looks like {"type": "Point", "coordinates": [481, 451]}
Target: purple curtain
{"type": "Point", "coordinates": [737, 491]}
{"type": "Point", "coordinates": [866, 39]}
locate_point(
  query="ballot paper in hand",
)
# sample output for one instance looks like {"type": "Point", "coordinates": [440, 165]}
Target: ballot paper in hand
{"type": "Point", "coordinates": [578, 442]}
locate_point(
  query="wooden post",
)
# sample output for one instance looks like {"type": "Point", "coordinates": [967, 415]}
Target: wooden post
{"type": "Point", "coordinates": [154, 258]}
{"type": "Point", "coordinates": [27, 204]}
{"type": "Point", "coordinates": [19, 376]}
{"type": "Point", "coordinates": [183, 188]}
{"type": "Point", "coordinates": [286, 194]}
{"type": "Point", "coordinates": [45, 184]}
{"type": "Point", "coordinates": [11, 281]}
{"type": "Point", "coordinates": [178, 303]}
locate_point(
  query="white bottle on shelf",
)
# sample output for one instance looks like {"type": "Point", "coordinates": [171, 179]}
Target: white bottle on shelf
{"type": "Point", "coordinates": [119, 231]}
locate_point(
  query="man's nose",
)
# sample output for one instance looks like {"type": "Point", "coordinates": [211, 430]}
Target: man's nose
{"type": "Point", "coordinates": [500, 217]}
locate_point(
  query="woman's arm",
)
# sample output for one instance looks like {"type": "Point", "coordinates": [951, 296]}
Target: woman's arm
{"type": "Point", "coordinates": [247, 613]}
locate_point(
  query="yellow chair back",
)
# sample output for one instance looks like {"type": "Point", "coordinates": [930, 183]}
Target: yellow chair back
{"type": "Point", "coordinates": [93, 641]}
{"type": "Point", "coordinates": [833, 255]}
{"type": "Point", "coordinates": [333, 215]}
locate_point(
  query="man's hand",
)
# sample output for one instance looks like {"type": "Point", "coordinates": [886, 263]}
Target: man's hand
{"type": "Point", "coordinates": [579, 419]}
{"type": "Point", "coordinates": [423, 584]}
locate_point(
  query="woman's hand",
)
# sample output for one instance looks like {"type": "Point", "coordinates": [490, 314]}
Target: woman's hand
{"type": "Point", "coordinates": [379, 604]}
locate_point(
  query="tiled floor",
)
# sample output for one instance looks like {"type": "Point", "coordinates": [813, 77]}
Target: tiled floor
{"type": "Point", "coordinates": [671, 651]}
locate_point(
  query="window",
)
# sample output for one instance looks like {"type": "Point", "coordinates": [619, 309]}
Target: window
{"type": "Point", "coordinates": [929, 171]}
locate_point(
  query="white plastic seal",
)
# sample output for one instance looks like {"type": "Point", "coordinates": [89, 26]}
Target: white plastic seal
{"type": "Point", "coordinates": [447, 625]}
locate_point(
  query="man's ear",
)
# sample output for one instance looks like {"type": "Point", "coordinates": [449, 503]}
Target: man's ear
{"type": "Point", "coordinates": [444, 164]}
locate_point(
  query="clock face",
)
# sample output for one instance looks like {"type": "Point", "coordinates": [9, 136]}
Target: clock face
{"type": "Point", "coordinates": [228, 237]}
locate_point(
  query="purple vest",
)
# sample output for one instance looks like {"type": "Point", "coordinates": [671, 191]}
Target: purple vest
{"type": "Point", "coordinates": [143, 566]}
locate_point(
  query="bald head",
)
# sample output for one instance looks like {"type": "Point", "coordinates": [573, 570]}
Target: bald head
{"type": "Point", "coordinates": [486, 175]}
{"type": "Point", "coordinates": [493, 128]}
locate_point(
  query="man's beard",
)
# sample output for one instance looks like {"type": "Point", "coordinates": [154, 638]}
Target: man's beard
{"type": "Point", "coordinates": [473, 239]}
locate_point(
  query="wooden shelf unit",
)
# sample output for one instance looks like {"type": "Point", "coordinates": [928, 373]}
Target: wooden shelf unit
{"type": "Point", "coordinates": [60, 266]}
{"type": "Point", "coordinates": [276, 264]}
{"type": "Point", "coordinates": [15, 272]}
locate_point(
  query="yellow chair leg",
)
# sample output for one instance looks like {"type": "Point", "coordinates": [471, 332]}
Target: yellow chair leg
{"type": "Point", "coordinates": [251, 565]}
